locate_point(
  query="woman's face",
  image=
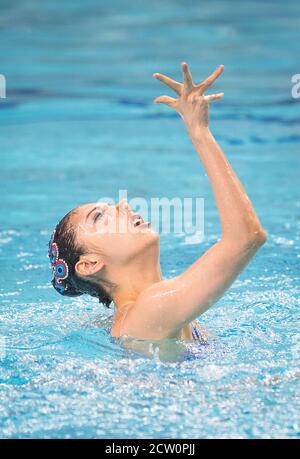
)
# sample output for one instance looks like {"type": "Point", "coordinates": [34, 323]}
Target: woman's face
{"type": "Point", "coordinates": [115, 232]}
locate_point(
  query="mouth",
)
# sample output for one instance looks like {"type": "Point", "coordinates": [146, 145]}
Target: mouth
{"type": "Point", "coordinates": [138, 221]}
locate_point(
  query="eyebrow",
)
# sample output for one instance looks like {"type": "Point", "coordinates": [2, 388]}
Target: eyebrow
{"type": "Point", "coordinates": [90, 212]}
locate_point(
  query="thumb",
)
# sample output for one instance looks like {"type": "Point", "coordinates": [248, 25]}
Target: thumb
{"type": "Point", "coordinates": [170, 101]}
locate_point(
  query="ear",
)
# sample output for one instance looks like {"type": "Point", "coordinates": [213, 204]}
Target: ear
{"type": "Point", "coordinates": [88, 265]}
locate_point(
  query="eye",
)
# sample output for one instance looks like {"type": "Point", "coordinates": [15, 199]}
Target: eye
{"type": "Point", "coordinates": [98, 215]}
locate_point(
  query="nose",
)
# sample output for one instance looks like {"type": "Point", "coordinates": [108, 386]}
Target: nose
{"type": "Point", "coordinates": [123, 204]}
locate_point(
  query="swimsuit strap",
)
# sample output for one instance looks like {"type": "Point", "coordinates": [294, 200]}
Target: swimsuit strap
{"type": "Point", "coordinates": [196, 334]}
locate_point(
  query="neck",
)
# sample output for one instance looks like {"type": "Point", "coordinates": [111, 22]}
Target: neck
{"type": "Point", "coordinates": [134, 280]}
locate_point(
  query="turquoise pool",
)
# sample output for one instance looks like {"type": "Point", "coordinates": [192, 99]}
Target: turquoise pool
{"type": "Point", "coordinates": [78, 73]}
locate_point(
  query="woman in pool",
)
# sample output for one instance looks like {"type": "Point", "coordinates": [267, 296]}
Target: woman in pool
{"type": "Point", "coordinates": [88, 255]}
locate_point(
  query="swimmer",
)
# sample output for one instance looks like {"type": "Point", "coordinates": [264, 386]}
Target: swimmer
{"type": "Point", "coordinates": [89, 253]}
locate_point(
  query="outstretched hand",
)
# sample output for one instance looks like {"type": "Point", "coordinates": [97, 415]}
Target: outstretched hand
{"type": "Point", "coordinates": [191, 103]}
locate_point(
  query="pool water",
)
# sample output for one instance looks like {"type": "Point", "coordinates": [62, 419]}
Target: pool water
{"type": "Point", "coordinates": [78, 124]}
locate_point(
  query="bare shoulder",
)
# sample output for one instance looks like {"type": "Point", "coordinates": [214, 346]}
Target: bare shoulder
{"type": "Point", "coordinates": [149, 316]}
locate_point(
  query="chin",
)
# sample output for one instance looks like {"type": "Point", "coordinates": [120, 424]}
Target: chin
{"type": "Point", "coordinates": [151, 234]}
{"type": "Point", "coordinates": [147, 240]}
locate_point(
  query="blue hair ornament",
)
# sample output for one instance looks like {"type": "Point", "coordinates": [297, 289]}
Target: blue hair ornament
{"type": "Point", "coordinates": [58, 265]}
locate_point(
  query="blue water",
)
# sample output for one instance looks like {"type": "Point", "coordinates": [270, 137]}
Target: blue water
{"type": "Point", "coordinates": [79, 124]}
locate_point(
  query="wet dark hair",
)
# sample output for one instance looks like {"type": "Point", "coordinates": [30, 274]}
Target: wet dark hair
{"type": "Point", "coordinates": [69, 251]}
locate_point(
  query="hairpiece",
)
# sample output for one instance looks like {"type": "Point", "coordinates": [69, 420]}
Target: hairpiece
{"type": "Point", "coordinates": [59, 266]}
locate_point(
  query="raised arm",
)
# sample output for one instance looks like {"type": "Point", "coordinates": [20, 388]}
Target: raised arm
{"type": "Point", "coordinates": [238, 218]}
{"type": "Point", "coordinates": [169, 305]}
